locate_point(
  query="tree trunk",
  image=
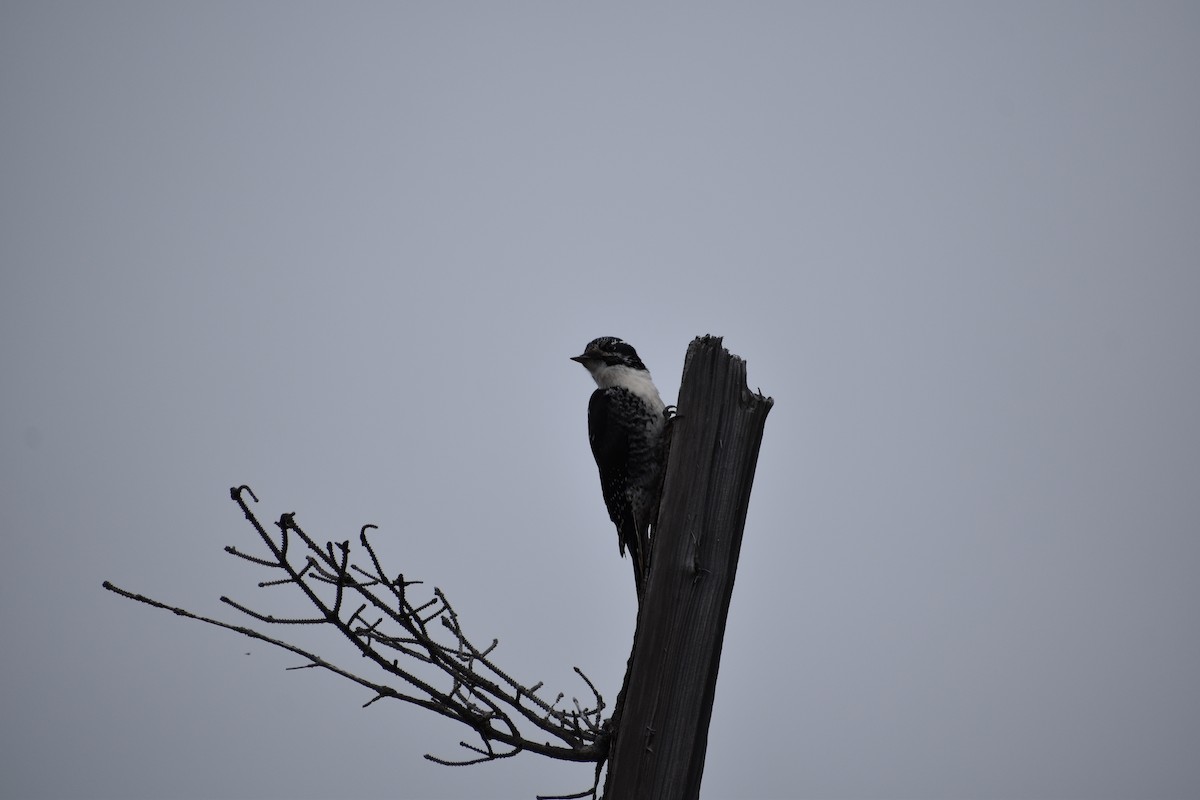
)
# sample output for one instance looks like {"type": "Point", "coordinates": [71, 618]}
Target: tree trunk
{"type": "Point", "coordinates": [662, 733]}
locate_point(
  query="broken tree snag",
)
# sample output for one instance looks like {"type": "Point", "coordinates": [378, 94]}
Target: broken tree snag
{"type": "Point", "coordinates": [662, 734]}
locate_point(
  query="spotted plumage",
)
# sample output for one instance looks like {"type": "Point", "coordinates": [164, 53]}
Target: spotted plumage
{"type": "Point", "coordinates": [626, 427]}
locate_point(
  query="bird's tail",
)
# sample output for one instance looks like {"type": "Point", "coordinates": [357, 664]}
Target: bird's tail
{"type": "Point", "coordinates": [637, 538]}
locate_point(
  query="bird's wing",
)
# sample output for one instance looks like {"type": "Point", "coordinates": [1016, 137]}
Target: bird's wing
{"type": "Point", "coordinates": [609, 433]}
{"type": "Point", "coordinates": [610, 446]}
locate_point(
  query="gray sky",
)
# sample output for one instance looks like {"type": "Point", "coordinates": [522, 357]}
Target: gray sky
{"type": "Point", "coordinates": [342, 255]}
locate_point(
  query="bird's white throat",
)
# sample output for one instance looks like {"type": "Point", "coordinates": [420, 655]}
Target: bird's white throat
{"type": "Point", "coordinates": [637, 381]}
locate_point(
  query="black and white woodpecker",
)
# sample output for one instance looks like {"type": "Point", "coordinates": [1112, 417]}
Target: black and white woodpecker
{"type": "Point", "coordinates": [627, 427]}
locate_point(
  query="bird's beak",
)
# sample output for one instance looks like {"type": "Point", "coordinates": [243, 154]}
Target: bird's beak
{"type": "Point", "coordinates": [581, 359]}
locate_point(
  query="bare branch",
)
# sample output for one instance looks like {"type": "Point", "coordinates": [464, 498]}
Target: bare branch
{"type": "Point", "coordinates": [262, 562]}
{"type": "Point", "coordinates": [439, 666]}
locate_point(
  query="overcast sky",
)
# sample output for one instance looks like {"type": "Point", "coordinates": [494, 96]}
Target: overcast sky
{"type": "Point", "coordinates": [342, 253]}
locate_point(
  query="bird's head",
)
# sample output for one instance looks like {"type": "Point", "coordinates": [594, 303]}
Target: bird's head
{"type": "Point", "coordinates": [608, 351]}
{"type": "Point", "coordinates": [614, 363]}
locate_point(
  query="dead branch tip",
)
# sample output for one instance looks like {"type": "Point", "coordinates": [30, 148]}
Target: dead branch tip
{"type": "Point", "coordinates": [236, 493]}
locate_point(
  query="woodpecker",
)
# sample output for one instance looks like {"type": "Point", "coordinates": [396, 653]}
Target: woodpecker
{"type": "Point", "coordinates": [627, 428]}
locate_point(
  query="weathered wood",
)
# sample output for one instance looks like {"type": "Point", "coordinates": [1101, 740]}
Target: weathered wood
{"type": "Point", "coordinates": [659, 746]}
